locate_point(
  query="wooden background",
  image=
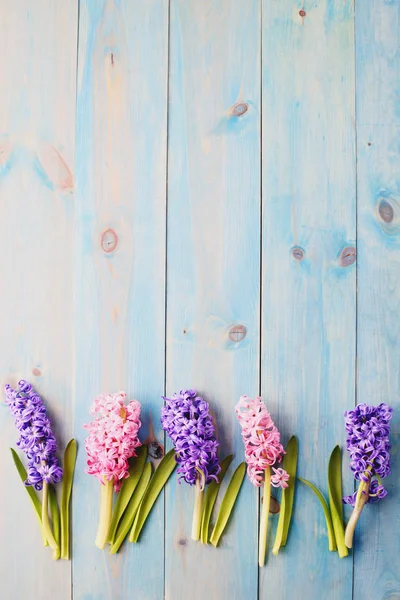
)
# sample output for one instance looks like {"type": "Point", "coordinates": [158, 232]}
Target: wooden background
{"type": "Point", "coordinates": [174, 175]}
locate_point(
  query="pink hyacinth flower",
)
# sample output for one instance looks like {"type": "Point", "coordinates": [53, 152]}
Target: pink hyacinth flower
{"type": "Point", "coordinates": [263, 449]}
{"type": "Point", "coordinates": [112, 441]}
{"type": "Point", "coordinates": [280, 478]}
{"type": "Point", "coordinates": [260, 437]}
{"type": "Point", "coordinates": [113, 437]}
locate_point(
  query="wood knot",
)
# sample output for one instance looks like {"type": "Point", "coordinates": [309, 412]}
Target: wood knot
{"type": "Point", "coordinates": [298, 253]}
{"type": "Point", "coordinates": [386, 211]}
{"type": "Point", "coordinates": [183, 542]}
{"type": "Point", "coordinates": [239, 109]}
{"type": "Point", "coordinates": [237, 333]}
{"type": "Point", "coordinates": [36, 372]}
{"type": "Point", "coordinates": [109, 241]}
{"type": "Point", "coordinates": [348, 256]}
{"type": "Point", "coordinates": [302, 13]}
{"type": "Point", "coordinates": [274, 506]}
{"type": "Point", "coordinates": [155, 450]}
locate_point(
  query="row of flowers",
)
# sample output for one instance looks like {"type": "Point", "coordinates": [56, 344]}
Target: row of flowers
{"type": "Point", "coordinates": [129, 488]}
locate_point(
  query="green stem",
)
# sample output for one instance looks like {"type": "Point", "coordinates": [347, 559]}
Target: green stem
{"type": "Point", "coordinates": [361, 499]}
{"type": "Point", "coordinates": [106, 498]}
{"type": "Point", "coordinates": [45, 520]}
{"type": "Point", "coordinates": [262, 549]}
{"type": "Point", "coordinates": [198, 511]}
{"type": "Point", "coordinates": [364, 485]}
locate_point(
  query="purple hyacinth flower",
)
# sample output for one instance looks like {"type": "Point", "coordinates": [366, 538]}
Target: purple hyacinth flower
{"type": "Point", "coordinates": [367, 429]}
{"type": "Point", "coordinates": [36, 438]}
{"type": "Point", "coordinates": [186, 419]}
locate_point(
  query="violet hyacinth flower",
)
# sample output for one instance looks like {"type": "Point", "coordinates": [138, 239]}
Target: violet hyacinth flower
{"type": "Point", "coordinates": [187, 421]}
{"type": "Point", "coordinates": [37, 440]}
{"type": "Point", "coordinates": [367, 429]}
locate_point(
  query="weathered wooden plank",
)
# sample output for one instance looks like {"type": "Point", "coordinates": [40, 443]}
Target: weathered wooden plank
{"type": "Point", "coordinates": [37, 126]}
{"type": "Point", "coordinates": [213, 266]}
{"type": "Point", "coordinates": [377, 546]}
{"type": "Point", "coordinates": [121, 191]}
{"type": "Point", "coordinates": [308, 299]}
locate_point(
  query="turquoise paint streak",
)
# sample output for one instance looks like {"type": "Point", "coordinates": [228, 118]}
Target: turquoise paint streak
{"type": "Point", "coordinates": [308, 306]}
{"type": "Point", "coordinates": [213, 267]}
{"type": "Point", "coordinates": [120, 297]}
{"type": "Point", "coordinates": [377, 545]}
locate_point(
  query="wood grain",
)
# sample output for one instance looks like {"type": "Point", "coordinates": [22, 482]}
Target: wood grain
{"type": "Point", "coordinates": [377, 545]}
{"type": "Point", "coordinates": [37, 124]}
{"type": "Point", "coordinates": [213, 267]}
{"type": "Point", "coordinates": [308, 297]}
{"type": "Point", "coordinates": [120, 261]}
{"type": "Point", "coordinates": [268, 101]}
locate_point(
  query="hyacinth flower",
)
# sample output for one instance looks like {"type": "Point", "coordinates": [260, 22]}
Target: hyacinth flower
{"type": "Point", "coordinates": [112, 440]}
{"type": "Point", "coordinates": [263, 450]}
{"type": "Point", "coordinates": [367, 429]}
{"type": "Point", "coordinates": [187, 421]}
{"type": "Point", "coordinates": [37, 441]}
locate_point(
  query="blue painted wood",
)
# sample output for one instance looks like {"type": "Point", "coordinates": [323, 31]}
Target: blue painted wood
{"type": "Point", "coordinates": [93, 299]}
{"type": "Point", "coordinates": [308, 300]}
{"type": "Point", "coordinates": [213, 266]}
{"type": "Point", "coordinates": [37, 85]}
{"type": "Point", "coordinates": [120, 262]}
{"type": "Point", "coordinates": [377, 545]}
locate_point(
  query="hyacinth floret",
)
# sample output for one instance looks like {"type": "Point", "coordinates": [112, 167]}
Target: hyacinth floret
{"type": "Point", "coordinates": [376, 492]}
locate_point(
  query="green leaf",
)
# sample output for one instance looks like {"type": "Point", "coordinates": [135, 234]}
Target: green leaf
{"type": "Point", "coordinates": [211, 496]}
{"type": "Point", "coordinates": [37, 505]}
{"type": "Point", "coordinates": [55, 519]}
{"type": "Point", "coordinates": [287, 499]}
{"type": "Point", "coordinates": [228, 503]}
{"type": "Point", "coordinates": [328, 518]}
{"type": "Point", "coordinates": [46, 522]}
{"type": "Point", "coordinates": [157, 482]}
{"type": "Point", "coordinates": [335, 499]}
{"type": "Point", "coordinates": [128, 487]}
{"type": "Point", "coordinates": [131, 510]}
{"type": "Point", "coordinates": [68, 476]}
